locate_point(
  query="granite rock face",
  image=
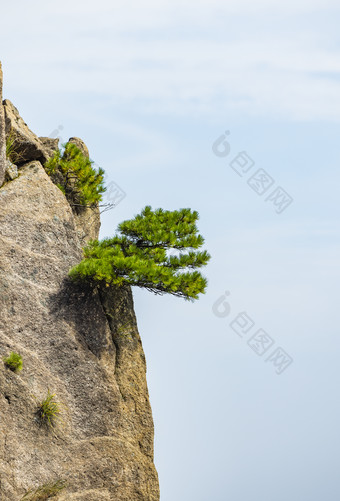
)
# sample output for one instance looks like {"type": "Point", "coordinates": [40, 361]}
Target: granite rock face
{"type": "Point", "coordinates": [26, 144]}
{"type": "Point", "coordinates": [50, 144]}
{"type": "Point", "coordinates": [11, 171]}
{"type": "Point", "coordinates": [2, 135]}
{"type": "Point", "coordinates": [80, 344]}
{"type": "Point", "coordinates": [87, 222]}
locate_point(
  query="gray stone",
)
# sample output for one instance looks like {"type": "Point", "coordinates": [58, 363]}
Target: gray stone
{"type": "Point", "coordinates": [11, 171]}
{"type": "Point", "coordinates": [87, 222]}
{"type": "Point", "coordinates": [51, 144]}
{"type": "Point", "coordinates": [26, 144]}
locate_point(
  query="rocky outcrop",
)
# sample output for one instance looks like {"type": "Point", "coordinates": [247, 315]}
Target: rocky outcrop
{"type": "Point", "coordinates": [27, 146]}
{"type": "Point", "coordinates": [11, 171]}
{"type": "Point", "coordinates": [80, 145]}
{"type": "Point", "coordinates": [2, 135]}
{"type": "Point", "coordinates": [81, 344]}
{"type": "Point", "coordinates": [87, 222]}
{"type": "Point", "coordinates": [50, 144]}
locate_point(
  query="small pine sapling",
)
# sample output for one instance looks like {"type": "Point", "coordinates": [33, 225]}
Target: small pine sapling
{"type": "Point", "coordinates": [76, 177]}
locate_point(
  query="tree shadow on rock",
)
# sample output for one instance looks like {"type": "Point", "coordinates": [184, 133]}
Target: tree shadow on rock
{"type": "Point", "coordinates": [79, 305]}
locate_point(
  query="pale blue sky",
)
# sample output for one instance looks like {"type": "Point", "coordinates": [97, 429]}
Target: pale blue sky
{"type": "Point", "coordinates": [149, 87]}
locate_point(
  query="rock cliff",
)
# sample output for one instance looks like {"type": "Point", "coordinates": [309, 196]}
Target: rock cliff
{"type": "Point", "coordinates": [81, 345]}
{"type": "Point", "coordinates": [2, 135]}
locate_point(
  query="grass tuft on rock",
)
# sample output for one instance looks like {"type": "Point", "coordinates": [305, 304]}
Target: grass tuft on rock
{"type": "Point", "coordinates": [13, 362]}
{"type": "Point", "coordinates": [45, 491]}
{"type": "Point", "coordinates": [11, 149]}
{"type": "Point", "coordinates": [49, 411]}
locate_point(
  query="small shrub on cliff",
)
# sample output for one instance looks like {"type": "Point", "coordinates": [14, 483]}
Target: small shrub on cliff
{"type": "Point", "coordinates": [44, 492]}
{"type": "Point", "coordinates": [140, 255]}
{"type": "Point", "coordinates": [49, 411]}
{"type": "Point", "coordinates": [74, 174]}
{"type": "Point", "coordinates": [11, 149]}
{"type": "Point", "coordinates": [13, 362]}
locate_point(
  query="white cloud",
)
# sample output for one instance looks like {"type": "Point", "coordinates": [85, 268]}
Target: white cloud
{"type": "Point", "coordinates": [204, 57]}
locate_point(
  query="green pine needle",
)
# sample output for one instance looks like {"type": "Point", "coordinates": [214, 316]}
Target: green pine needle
{"type": "Point", "coordinates": [139, 255]}
{"type": "Point", "coordinates": [76, 177]}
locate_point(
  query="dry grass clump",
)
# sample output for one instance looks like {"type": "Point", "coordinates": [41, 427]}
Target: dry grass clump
{"type": "Point", "coordinates": [45, 491]}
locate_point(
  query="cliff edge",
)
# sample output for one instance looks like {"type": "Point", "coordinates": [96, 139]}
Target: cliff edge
{"type": "Point", "coordinates": [81, 345]}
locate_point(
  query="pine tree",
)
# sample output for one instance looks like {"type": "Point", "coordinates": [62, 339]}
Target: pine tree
{"type": "Point", "coordinates": [139, 255]}
{"type": "Point", "coordinates": [74, 174]}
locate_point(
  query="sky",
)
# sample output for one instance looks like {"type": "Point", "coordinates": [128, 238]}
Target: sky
{"type": "Point", "coordinates": [217, 106]}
